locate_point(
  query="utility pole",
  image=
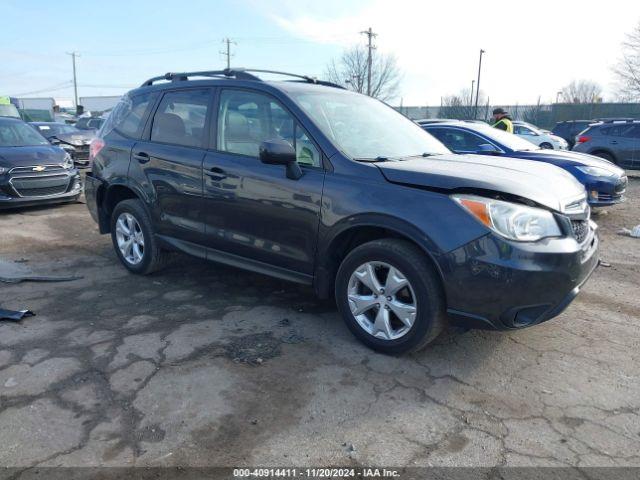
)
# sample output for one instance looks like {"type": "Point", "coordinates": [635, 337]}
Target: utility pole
{"type": "Point", "coordinates": [475, 108]}
{"type": "Point", "coordinates": [370, 47]}
{"type": "Point", "coordinates": [75, 82]}
{"type": "Point", "coordinates": [228, 41]}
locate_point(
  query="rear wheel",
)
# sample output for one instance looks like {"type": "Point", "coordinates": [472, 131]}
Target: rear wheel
{"type": "Point", "coordinates": [606, 156]}
{"type": "Point", "coordinates": [390, 296]}
{"type": "Point", "coordinates": [133, 238]}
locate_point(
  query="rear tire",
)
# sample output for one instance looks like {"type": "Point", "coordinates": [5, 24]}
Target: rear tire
{"type": "Point", "coordinates": [406, 317]}
{"type": "Point", "coordinates": [134, 240]}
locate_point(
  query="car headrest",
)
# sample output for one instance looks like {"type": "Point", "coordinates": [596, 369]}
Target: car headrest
{"type": "Point", "coordinates": [169, 125]}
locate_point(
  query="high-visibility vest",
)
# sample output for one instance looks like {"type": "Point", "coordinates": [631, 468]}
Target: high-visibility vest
{"type": "Point", "coordinates": [507, 123]}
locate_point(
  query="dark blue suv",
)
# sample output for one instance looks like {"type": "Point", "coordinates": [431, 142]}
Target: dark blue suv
{"type": "Point", "coordinates": [604, 182]}
{"type": "Point", "coordinates": [309, 182]}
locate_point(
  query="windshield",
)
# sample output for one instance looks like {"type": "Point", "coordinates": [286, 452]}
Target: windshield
{"type": "Point", "coordinates": [18, 134]}
{"type": "Point", "coordinates": [509, 140]}
{"type": "Point", "coordinates": [364, 128]}
{"type": "Point", "coordinates": [9, 110]}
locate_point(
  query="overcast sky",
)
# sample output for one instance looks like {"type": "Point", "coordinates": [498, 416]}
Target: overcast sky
{"type": "Point", "coordinates": [532, 48]}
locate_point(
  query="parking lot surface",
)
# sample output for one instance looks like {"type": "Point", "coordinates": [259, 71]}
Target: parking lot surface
{"type": "Point", "coordinates": [206, 365]}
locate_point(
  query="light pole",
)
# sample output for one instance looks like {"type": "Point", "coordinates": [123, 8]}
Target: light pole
{"type": "Point", "coordinates": [473, 82]}
{"type": "Point", "coordinates": [475, 108]}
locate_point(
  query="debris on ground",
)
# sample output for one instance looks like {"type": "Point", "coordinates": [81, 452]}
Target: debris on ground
{"type": "Point", "coordinates": [634, 232]}
{"type": "Point", "coordinates": [39, 278]}
{"type": "Point", "coordinates": [604, 264]}
{"type": "Point", "coordinates": [15, 315]}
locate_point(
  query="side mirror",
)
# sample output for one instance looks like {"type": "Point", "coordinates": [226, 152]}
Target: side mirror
{"type": "Point", "coordinates": [488, 148]}
{"type": "Point", "coordinates": [54, 140]}
{"type": "Point", "coordinates": [280, 152]}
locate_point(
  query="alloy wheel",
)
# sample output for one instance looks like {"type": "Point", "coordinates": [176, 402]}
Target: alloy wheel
{"type": "Point", "coordinates": [130, 238]}
{"type": "Point", "coordinates": [382, 300]}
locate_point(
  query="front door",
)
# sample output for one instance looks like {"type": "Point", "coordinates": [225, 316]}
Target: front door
{"type": "Point", "coordinates": [252, 209]}
{"type": "Point", "coordinates": [170, 162]}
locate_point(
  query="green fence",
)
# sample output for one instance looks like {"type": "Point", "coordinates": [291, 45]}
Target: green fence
{"type": "Point", "coordinates": [544, 116]}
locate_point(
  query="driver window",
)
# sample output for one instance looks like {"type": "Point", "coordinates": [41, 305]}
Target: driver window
{"type": "Point", "coordinates": [246, 119]}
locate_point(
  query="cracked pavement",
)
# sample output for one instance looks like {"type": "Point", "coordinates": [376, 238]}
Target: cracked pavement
{"type": "Point", "coordinates": [205, 365]}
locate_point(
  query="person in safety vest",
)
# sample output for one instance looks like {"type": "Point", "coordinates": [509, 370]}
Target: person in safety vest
{"type": "Point", "coordinates": [502, 120]}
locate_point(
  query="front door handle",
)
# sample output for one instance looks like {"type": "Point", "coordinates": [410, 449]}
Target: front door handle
{"type": "Point", "coordinates": [142, 157]}
{"type": "Point", "coordinates": [613, 142]}
{"type": "Point", "coordinates": [216, 173]}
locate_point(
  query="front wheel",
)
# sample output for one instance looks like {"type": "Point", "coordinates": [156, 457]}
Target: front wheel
{"type": "Point", "coordinates": [390, 296]}
{"type": "Point", "coordinates": [133, 238]}
{"type": "Point", "coordinates": [546, 146]}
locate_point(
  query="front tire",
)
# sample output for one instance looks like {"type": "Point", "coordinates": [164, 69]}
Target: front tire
{"type": "Point", "coordinates": [390, 296]}
{"type": "Point", "coordinates": [133, 238]}
{"type": "Point", "coordinates": [546, 146]}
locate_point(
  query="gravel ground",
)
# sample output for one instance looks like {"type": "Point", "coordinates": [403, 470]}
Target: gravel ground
{"type": "Point", "coordinates": [207, 365]}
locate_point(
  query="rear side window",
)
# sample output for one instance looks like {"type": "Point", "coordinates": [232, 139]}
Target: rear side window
{"type": "Point", "coordinates": [181, 117]}
{"type": "Point", "coordinates": [127, 117]}
{"type": "Point", "coordinates": [459, 140]}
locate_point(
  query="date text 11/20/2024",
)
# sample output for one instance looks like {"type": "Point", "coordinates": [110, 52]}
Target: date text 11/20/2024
{"type": "Point", "coordinates": [315, 473]}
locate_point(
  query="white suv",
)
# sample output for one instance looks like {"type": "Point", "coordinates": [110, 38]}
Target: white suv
{"type": "Point", "coordinates": [542, 138]}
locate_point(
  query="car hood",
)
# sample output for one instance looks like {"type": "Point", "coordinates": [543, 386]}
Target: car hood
{"type": "Point", "coordinates": [82, 137]}
{"type": "Point", "coordinates": [27, 156]}
{"type": "Point", "coordinates": [539, 182]}
{"type": "Point", "coordinates": [566, 159]}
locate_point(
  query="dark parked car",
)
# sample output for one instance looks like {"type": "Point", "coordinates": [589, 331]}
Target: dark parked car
{"type": "Point", "coordinates": [319, 185]}
{"type": "Point", "coordinates": [604, 182]}
{"type": "Point", "coordinates": [74, 141]}
{"type": "Point", "coordinates": [89, 123]}
{"type": "Point", "coordinates": [569, 129]}
{"type": "Point", "coordinates": [615, 141]}
{"type": "Point", "coordinates": [32, 171]}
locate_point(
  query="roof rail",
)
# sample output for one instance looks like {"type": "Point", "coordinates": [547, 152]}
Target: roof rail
{"type": "Point", "coordinates": [237, 73]}
{"type": "Point", "coordinates": [614, 120]}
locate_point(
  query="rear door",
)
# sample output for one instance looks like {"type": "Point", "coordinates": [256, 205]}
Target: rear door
{"type": "Point", "coordinates": [168, 162]}
{"type": "Point", "coordinates": [621, 142]}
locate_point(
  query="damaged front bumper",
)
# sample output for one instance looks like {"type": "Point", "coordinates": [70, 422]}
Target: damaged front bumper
{"type": "Point", "coordinates": [493, 283]}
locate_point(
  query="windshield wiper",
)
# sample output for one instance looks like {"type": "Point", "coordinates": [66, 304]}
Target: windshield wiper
{"type": "Point", "coordinates": [372, 160]}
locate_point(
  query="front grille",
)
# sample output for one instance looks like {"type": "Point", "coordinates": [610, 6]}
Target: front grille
{"type": "Point", "coordinates": [27, 182]}
{"type": "Point", "coordinates": [81, 153]}
{"type": "Point", "coordinates": [41, 192]}
{"type": "Point", "coordinates": [36, 170]}
{"type": "Point", "coordinates": [580, 229]}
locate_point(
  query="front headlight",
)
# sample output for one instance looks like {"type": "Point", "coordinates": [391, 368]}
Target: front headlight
{"type": "Point", "coordinates": [596, 171]}
{"type": "Point", "coordinates": [511, 220]}
{"type": "Point", "coordinates": [3, 170]}
{"type": "Point", "coordinates": [68, 161]}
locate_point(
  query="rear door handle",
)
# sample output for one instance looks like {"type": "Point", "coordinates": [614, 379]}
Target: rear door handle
{"type": "Point", "coordinates": [613, 142]}
{"type": "Point", "coordinates": [142, 157]}
{"type": "Point", "coordinates": [216, 173]}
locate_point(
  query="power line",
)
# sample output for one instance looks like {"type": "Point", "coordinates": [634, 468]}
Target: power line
{"type": "Point", "coordinates": [370, 47]}
{"type": "Point", "coordinates": [228, 52]}
{"type": "Point", "coordinates": [53, 88]}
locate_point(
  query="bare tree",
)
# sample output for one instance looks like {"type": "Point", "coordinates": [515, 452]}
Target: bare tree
{"type": "Point", "coordinates": [581, 91]}
{"type": "Point", "coordinates": [350, 71]}
{"type": "Point", "coordinates": [460, 105]}
{"type": "Point", "coordinates": [628, 68]}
